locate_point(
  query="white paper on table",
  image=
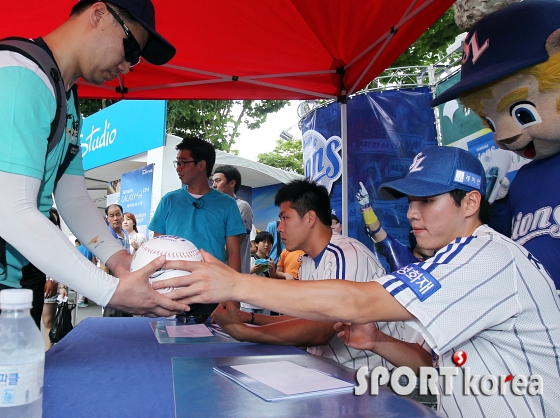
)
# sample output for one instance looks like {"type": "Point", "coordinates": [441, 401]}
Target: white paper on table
{"type": "Point", "coordinates": [290, 378]}
{"type": "Point", "coordinates": [188, 331]}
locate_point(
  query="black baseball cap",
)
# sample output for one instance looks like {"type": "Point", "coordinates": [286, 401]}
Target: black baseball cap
{"type": "Point", "coordinates": [503, 43]}
{"type": "Point", "coordinates": [157, 50]}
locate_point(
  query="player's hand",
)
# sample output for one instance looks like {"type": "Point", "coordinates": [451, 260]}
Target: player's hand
{"type": "Point", "coordinates": [210, 282]}
{"type": "Point", "coordinates": [135, 295]}
{"type": "Point", "coordinates": [51, 288]}
{"type": "Point", "coordinates": [362, 196]}
{"type": "Point", "coordinates": [63, 292]}
{"type": "Point", "coordinates": [503, 188]}
{"type": "Point", "coordinates": [227, 316]}
{"type": "Point", "coordinates": [360, 337]}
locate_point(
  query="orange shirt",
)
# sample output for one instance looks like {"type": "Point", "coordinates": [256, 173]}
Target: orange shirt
{"type": "Point", "coordinates": [290, 261]}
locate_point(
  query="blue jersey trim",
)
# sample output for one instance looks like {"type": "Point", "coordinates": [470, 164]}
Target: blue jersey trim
{"type": "Point", "coordinates": [340, 260]}
{"type": "Point", "coordinates": [451, 251]}
{"type": "Point", "coordinates": [317, 260]}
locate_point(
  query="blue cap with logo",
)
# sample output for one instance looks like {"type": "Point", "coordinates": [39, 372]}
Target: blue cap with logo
{"type": "Point", "coordinates": [504, 42]}
{"type": "Point", "coordinates": [437, 170]}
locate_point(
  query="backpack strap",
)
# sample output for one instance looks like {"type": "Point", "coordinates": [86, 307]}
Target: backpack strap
{"type": "Point", "coordinates": [44, 60]}
{"type": "Point", "coordinates": [46, 63]}
{"type": "Point", "coordinates": [72, 149]}
{"type": "Point", "coordinates": [3, 262]}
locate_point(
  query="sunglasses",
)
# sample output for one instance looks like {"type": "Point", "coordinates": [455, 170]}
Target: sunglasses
{"type": "Point", "coordinates": [132, 49]}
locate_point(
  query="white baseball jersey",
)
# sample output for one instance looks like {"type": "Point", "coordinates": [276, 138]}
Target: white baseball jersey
{"type": "Point", "coordinates": [489, 297]}
{"type": "Point", "coordinates": [345, 258]}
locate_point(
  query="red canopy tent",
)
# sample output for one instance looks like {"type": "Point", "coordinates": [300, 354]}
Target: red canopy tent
{"type": "Point", "coordinates": [256, 49]}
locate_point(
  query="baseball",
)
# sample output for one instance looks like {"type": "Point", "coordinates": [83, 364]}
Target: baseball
{"type": "Point", "coordinates": [173, 248]}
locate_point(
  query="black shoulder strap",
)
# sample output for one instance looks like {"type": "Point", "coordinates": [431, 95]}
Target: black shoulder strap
{"type": "Point", "coordinates": [3, 262]}
{"type": "Point", "coordinates": [43, 59]}
{"type": "Point", "coordinates": [72, 149]}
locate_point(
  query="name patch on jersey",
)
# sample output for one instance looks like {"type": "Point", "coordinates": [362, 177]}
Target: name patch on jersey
{"type": "Point", "coordinates": [422, 283]}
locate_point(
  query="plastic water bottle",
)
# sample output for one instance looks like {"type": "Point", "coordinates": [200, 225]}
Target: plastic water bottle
{"type": "Point", "coordinates": [22, 357]}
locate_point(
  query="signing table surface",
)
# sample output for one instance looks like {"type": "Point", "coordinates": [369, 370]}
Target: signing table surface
{"type": "Point", "coordinates": [115, 367]}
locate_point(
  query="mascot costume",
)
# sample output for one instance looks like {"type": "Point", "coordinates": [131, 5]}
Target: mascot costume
{"type": "Point", "coordinates": [510, 77]}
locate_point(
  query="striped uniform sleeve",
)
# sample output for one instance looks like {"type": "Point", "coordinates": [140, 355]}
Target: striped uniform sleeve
{"type": "Point", "coordinates": [467, 287]}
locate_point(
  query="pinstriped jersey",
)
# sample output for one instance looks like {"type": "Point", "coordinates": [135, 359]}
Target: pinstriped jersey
{"type": "Point", "coordinates": [489, 297]}
{"type": "Point", "coordinates": [345, 258]}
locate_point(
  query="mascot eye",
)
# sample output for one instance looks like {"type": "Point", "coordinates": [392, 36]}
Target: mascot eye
{"type": "Point", "coordinates": [490, 123]}
{"type": "Point", "coordinates": [524, 114]}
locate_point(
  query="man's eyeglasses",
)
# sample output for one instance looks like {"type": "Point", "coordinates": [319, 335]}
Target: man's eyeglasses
{"type": "Point", "coordinates": [132, 49]}
{"type": "Point", "coordinates": [181, 164]}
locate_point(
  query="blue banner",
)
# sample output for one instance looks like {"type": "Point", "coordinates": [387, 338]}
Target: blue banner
{"type": "Point", "coordinates": [264, 210]}
{"type": "Point", "coordinates": [385, 131]}
{"type": "Point", "coordinates": [136, 195]}
{"type": "Point", "coordinates": [122, 130]}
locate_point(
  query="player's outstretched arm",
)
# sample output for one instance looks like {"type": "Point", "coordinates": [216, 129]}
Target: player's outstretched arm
{"type": "Point", "coordinates": [322, 300]}
{"type": "Point", "coordinates": [368, 337]}
{"type": "Point", "coordinates": [261, 319]}
{"type": "Point", "coordinates": [293, 331]}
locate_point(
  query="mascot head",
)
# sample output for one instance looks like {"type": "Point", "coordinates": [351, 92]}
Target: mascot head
{"type": "Point", "coordinates": [510, 77]}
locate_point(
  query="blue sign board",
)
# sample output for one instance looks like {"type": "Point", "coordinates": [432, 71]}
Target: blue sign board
{"type": "Point", "coordinates": [136, 195]}
{"type": "Point", "coordinates": [122, 130]}
{"type": "Point", "coordinates": [385, 131]}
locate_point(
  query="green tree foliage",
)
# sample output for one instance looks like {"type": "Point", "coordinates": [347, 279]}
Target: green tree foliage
{"type": "Point", "coordinates": [431, 45]}
{"type": "Point", "coordinates": [287, 155]}
{"type": "Point", "coordinates": [216, 120]}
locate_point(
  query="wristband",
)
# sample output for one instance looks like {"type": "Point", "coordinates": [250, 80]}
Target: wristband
{"type": "Point", "coordinates": [372, 233]}
{"type": "Point", "coordinates": [376, 231]}
{"type": "Point", "coordinates": [252, 319]}
{"type": "Point", "coordinates": [369, 216]}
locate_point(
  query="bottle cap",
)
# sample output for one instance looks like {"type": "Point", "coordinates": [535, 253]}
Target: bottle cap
{"type": "Point", "coordinates": [16, 299]}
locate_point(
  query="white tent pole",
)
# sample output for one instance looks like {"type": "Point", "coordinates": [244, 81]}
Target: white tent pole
{"type": "Point", "coordinates": [344, 135]}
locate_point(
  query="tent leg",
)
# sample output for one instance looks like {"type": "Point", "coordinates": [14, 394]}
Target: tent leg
{"type": "Point", "coordinates": [344, 134]}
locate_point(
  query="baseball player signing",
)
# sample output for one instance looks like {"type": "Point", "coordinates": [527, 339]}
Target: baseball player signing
{"type": "Point", "coordinates": [481, 294]}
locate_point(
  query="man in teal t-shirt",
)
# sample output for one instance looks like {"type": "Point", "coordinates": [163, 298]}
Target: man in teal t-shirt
{"type": "Point", "coordinates": [98, 42]}
{"type": "Point", "coordinates": [206, 217]}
